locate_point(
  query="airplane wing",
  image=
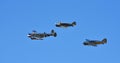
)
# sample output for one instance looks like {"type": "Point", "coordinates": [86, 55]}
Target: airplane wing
{"type": "Point", "coordinates": [36, 38]}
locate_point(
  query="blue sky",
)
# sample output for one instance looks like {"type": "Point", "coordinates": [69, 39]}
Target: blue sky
{"type": "Point", "coordinates": [95, 20]}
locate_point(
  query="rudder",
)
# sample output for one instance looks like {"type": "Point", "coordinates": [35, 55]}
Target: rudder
{"type": "Point", "coordinates": [104, 40]}
{"type": "Point", "coordinates": [73, 23]}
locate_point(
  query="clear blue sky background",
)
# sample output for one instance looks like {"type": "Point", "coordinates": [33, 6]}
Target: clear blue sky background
{"type": "Point", "coordinates": [96, 19]}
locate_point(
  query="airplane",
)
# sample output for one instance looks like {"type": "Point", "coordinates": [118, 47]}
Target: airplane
{"type": "Point", "coordinates": [65, 24]}
{"type": "Point", "coordinates": [39, 36]}
{"type": "Point", "coordinates": [95, 42]}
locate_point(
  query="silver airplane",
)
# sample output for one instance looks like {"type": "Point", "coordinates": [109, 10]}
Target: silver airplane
{"type": "Point", "coordinates": [39, 36]}
{"type": "Point", "coordinates": [65, 24]}
{"type": "Point", "coordinates": [94, 42]}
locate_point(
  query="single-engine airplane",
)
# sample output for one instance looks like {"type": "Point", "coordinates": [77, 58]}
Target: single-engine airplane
{"type": "Point", "coordinates": [95, 42]}
{"type": "Point", "coordinates": [39, 36]}
{"type": "Point", "coordinates": [65, 24]}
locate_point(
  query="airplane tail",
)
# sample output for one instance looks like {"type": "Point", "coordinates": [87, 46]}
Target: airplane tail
{"type": "Point", "coordinates": [73, 23]}
{"type": "Point", "coordinates": [53, 33]}
{"type": "Point", "coordinates": [104, 40]}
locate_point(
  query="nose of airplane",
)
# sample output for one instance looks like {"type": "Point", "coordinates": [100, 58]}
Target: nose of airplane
{"type": "Point", "coordinates": [85, 43]}
{"type": "Point", "coordinates": [29, 35]}
{"type": "Point", "coordinates": [57, 25]}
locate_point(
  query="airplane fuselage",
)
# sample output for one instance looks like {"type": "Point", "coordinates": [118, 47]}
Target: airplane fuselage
{"type": "Point", "coordinates": [40, 36]}
{"type": "Point", "coordinates": [95, 42]}
{"type": "Point", "coordinates": [63, 25]}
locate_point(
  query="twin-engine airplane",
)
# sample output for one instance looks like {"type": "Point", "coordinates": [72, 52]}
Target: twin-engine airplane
{"type": "Point", "coordinates": [95, 42]}
{"type": "Point", "coordinates": [39, 36]}
{"type": "Point", "coordinates": [65, 24]}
